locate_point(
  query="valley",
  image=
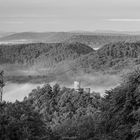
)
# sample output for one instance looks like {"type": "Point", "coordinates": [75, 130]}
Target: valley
{"type": "Point", "coordinates": [31, 64]}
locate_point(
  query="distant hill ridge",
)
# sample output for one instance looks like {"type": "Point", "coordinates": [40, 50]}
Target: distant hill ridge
{"type": "Point", "coordinates": [92, 39]}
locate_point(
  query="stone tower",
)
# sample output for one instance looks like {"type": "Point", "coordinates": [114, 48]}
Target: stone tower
{"type": "Point", "coordinates": [77, 85]}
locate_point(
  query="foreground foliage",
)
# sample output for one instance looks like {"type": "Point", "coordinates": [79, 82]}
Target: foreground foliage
{"type": "Point", "coordinates": [54, 113]}
{"type": "Point", "coordinates": [19, 121]}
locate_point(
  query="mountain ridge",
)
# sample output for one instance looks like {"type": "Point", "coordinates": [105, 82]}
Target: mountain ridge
{"type": "Point", "coordinates": [92, 39]}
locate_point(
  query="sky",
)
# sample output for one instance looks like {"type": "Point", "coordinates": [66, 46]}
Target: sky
{"type": "Point", "coordinates": [69, 15]}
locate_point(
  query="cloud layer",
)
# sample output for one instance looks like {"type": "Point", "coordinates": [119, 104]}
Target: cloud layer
{"type": "Point", "coordinates": [64, 15]}
{"type": "Point", "coordinates": [124, 20]}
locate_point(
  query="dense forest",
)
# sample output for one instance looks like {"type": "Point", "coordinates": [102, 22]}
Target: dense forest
{"type": "Point", "coordinates": [111, 57]}
{"type": "Point", "coordinates": [35, 60]}
{"type": "Point", "coordinates": [56, 113]}
{"type": "Point", "coordinates": [37, 52]}
{"type": "Point", "coordinates": [99, 40]}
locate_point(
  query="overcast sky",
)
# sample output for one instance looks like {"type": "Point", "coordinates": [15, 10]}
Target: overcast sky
{"type": "Point", "coordinates": [69, 15]}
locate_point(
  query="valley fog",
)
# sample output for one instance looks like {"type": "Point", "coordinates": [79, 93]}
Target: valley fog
{"type": "Point", "coordinates": [98, 83]}
{"type": "Point", "coordinates": [15, 91]}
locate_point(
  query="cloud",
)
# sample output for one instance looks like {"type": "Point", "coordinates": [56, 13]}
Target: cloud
{"type": "Point", "coordinates": [12, 22]}
{"type": "Point", "coordinates": [124, 20]}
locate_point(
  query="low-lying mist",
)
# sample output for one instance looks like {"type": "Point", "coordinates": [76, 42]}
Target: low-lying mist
{"type": "Point", "coordinates": [98, 82]}
{"type": "Point", "coordinates": [15, 91]}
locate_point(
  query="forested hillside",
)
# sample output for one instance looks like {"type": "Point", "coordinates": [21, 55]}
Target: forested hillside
{"type": "Point", "coordinates": [99, 40]}
{"type": "Point", "coordinates": [37, 62]}
{"type": "Point", "coordinates": [113, 56]}
{"type": "Point", "coordinates": [55, 113]}
{"type": "Point", "coordinates": [52, 59]}
{"type": "Point", "coordinates": [29, 54]}
{"type": "Point", "coordinates": [23, 62]}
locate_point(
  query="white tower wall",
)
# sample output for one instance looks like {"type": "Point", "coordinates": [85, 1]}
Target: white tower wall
{"type": "Point", "coordinates": [77, 85]}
